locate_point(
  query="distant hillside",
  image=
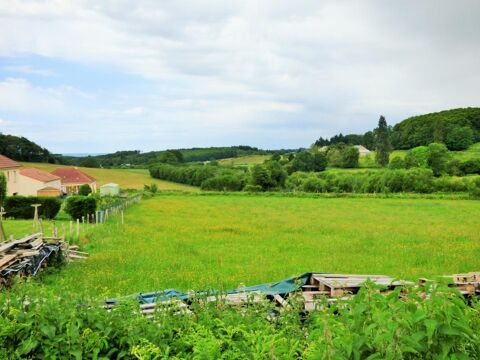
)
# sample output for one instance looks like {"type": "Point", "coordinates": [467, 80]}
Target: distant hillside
{"type": "Point", "coordinates": [435, 127]}
{"type": "Point", "coordinates": [22, 149]}
{"type": "Point", "coordinates": [457, 128]}
{"type": "Point", "coordinates": [138, 159]}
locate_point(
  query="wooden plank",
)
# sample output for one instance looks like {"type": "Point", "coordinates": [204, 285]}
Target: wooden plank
{"type": "Point", "coordinates": [10, 244]}
{"type": "Point", "coordinates": [7, 260]}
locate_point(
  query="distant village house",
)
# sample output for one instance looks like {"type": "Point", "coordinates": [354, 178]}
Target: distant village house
{"type": "Point", "coordinates": [72, 178]}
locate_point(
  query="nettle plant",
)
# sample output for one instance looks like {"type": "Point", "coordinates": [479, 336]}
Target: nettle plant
{"type": "Point", "coordinates": [36, 323]}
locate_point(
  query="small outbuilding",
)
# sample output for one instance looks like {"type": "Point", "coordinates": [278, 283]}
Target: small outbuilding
{"type": "Point", "coordinates": [110, 189]}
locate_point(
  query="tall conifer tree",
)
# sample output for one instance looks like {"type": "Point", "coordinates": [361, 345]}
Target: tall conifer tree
{"type": "Point", "coordinates": [382, 142]}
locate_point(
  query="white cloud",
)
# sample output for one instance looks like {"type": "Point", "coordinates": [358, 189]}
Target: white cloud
{"type": "Point", "coordinates": [19, 95]}
{"type": "Point", "coordinates": [227, 69]}
{"type": "Point", "coordinates": [29, 70]}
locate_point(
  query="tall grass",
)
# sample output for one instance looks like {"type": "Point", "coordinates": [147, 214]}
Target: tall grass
{"type": "Point", "coordinates": [219, 241]}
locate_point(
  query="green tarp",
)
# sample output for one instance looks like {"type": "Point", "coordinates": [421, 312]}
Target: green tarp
{"type": "Point", "coordinates": [282, 287]}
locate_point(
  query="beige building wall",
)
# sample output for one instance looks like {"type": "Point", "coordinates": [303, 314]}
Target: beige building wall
{"type": "Point", "coordinates": [12, 176]}
{"type": "Point", "coordinates": [29, 187]}
{"type": "Point", "coordinates": [72, 188]}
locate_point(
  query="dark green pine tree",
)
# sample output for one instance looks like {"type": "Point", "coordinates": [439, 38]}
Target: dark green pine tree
{"type": "Point", "coordinates": [382, 142]}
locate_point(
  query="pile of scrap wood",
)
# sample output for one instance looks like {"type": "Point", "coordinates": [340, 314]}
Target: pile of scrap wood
{"type": "Point", "coordinates": [311, 289]}
{"type": "Point", "coordinates": [467, 284]}
{"type": "Point", "coordinates": [29, 255]}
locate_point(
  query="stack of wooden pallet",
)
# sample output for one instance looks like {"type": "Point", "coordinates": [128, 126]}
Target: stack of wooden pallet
{"type": "Point", "coordinates": [340, 286]}
{"type": "Point", "coordinates": [467, 284]}
{"type": "Point", "coordinates": [28, 255]}
{"type": "Point", "coordinates": [14, 251]}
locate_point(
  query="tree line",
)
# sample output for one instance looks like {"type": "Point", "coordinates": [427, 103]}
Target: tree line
{"type": "Point", "coordinates": [22, 149]}
{"type": "Point", "coordinates": [456, 128]}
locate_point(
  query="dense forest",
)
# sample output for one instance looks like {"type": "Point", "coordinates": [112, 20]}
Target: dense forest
{"type": "Point", "coordinates": [456, 128]}
{"type": "Point", "coordinates": [22, 149]}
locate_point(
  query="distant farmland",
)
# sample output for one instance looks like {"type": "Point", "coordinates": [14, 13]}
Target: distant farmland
{"type": "Point", "coordinates": [126, 178]}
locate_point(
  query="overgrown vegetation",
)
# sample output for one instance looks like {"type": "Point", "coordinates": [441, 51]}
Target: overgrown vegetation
{"type": "Point", "coordinates": [369, 326]}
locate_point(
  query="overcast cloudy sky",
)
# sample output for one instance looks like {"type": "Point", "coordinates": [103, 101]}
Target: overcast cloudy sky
{"type": "Point", "coordinates": [100, 76]}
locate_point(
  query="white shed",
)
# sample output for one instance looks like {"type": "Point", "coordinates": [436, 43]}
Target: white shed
{"type": "Point", "coordinates": [110, 189]}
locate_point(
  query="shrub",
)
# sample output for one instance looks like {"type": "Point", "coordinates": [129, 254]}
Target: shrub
{"type": "Point", "coordinates": [152, 188]}
{"type": "Point", "coordinates": [451, 184]}
{"type": "Point", "coordinates": [252, 188]}
{"type": "Point", "coordinates": [223, 183]}
{"type": "Point", "coordinates": [471, 166]}
{"type": "Point", "coordinates": [84, 190]}
{"type": "Point", "coordinates": [459, 138]}
{"type": "Point", "coordinates": [453, 168]}
{"type": "Point", "coordinates": [350, 156]}
{"type": "Point", "coordinates": [438, 156]}
{"type": "Point", "coordinates": [260, 176]}
{"type": "Point", "coordinates": [78, 206]}
{"type": "Point", "coordinates": [417, 157]}
{"type": "Point", "coordinates": [314, 185]}
{"type": "Point", "coordinates": [396, 163]}
{"type": "Point", "coordinates": [475, 189]}
{"type": "Point", "coordinates": [303, 161]}
{"type": "Point", "coordinates": [20, 207]}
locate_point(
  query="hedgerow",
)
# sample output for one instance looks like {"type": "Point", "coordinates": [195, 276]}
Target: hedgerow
{"type": "Point", "coordinates": [20, 207]}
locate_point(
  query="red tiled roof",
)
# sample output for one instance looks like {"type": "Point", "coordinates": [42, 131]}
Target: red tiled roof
{"type": "Point", "coordinates": [70, 175]}
{"type": "Point", "coordinates": [39, 175]}
{"type": "Point", "coordinates": [7, 163]}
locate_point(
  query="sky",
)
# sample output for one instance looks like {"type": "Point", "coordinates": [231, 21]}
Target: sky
{"type": "Point", "coordinates": [88, 76]}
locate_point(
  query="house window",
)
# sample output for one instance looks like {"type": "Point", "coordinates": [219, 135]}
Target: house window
{"type": "Point", "coordinates": [8, 175]}
{"type": "Point", "coordinates": [14, 176]}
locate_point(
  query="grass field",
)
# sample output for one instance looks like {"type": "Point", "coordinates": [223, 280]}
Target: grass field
{"type": "Point", "coordinates": [195, 242]}
{"type": "Point", "coordinates": [244, 160]}
{"type": "Point", "coordinates": [126, 178]}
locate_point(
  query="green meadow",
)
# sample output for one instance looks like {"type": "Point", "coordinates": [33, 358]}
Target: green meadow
{"type": "Point", "coordinates": [220, 241]}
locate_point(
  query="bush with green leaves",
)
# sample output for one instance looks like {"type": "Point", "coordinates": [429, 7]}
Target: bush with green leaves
{"type": "Point", "coordinates": [223, 183]}
{"type": "Point", "coordinates": [84, 190]}
{"type": "Point", "coordinates": [459, 138]}
{"type": "Point", "coordinates": [370, 325]}
{"type": "Point", "coordinates": [475, 188]}
{"type": "Point", "coordinates": [80, 206]}
{"type": "Point", "coordinates": [417, 157]}
{"type": "Point", "coordinates": [414, 180]}
{"type": "Point", "coordinates": [438, 156]}
{"type": "Point", "coordinates": [471, 166]}
{"type": "Point", "coordinates": [396, 163]}
{"type": "Point", "coordinates": [20, 207]}
{"type": "Point", "coordinates": [152, 188]}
